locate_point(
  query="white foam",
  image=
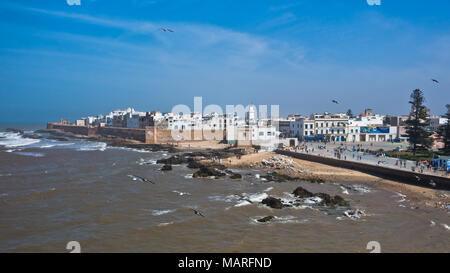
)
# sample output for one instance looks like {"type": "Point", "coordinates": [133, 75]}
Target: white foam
{"type": "Point", "coordinates": [48, 146]}
{"type": "Point", "coordinates": [257, 197]}
{"type": "Point", "coordinates": [30, 154]}
{"type": "Point", "coordinates": [362, 189]}
{"type": "Point", "coordinates": [344, 190]}
{"type": "Point", "coordinates": [354, 214]}
{"type": "Point", "coordinates": [146, 162]}
{"type": "Point", "coordinates": [181, 193]}
{"type": "Point", "coordinates": [189, 176]}
{"type": "Point", "coordinates": [165, 224]}
{"type": "Point", "coordinates": [312, 200]}
{"type": "Point", "coordinates": [12, 140]}
{"type": "Point", "coordinates": [446, 226]}
{"type": "Point", "coordinates": [131, 149]}
{"type": "Point", "coordinates": [268, 189]}
{"type": "Point", "coordinates": [94, 146]}
{"type": "Point", "coordinates": [162, 212]}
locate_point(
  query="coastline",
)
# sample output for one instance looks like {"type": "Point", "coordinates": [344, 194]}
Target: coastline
{"type": "Point", "coordinates": [295, 169]}
{"type": "Point", "coordinates": [304, 170]}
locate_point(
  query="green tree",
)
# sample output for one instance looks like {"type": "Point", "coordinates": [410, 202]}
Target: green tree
{"type": "Point", "coordinates": [444, 131]}
{"type": "Point", "coordinates": [350, 113]}
{"type": "Point", "coordinates": [418, 120]}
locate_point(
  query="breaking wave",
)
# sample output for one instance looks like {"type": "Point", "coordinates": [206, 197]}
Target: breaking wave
{"type": "Point", "coordinates": [162, 212]}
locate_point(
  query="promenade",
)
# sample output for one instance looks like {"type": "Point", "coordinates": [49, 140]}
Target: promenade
{"type": "Point", "coordinates": [348, 152]}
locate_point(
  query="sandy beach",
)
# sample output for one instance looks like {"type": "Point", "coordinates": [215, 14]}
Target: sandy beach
{"type": "Point", "coordinates": [301, 169]}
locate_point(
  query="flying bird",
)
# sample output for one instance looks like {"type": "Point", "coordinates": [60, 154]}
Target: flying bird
{"type": "Point", "coordinates": [196, 212]}
{"type": "Point", "coordinates": [242, 198]}
{"type": "Point", "coordinates": [436, 81]}
{"type": "Point", "coordinates": [335, 101]}
{"type": "Point", "coordinates": [166, 29]}
{"type": "Point", "coordinates": [142, 179]}
{"type": "Point", "coordinates": [433, 184]}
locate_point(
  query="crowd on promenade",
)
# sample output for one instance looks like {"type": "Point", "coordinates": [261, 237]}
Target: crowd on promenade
{"type": "Point", "coordinates": [361, 153]}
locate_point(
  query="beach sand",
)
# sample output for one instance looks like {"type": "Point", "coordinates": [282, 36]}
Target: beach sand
{"type": "Point", "coordinates": [417, 196]}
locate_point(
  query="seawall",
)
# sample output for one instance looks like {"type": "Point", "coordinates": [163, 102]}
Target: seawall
{"type": "Point", "coordinates": [403, 176]}
{"type": "Point", "coordinates": [149, 135]}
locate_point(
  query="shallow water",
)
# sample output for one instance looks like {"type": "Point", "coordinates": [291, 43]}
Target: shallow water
{"type": "Point", "coordinates": [53, 192]}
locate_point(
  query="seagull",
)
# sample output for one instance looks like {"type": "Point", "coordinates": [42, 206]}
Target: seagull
{"type": "Point", "coordinates": [241, 198]}
{"type": "Point", "coordinates": [436, 81]}
{"type": "Point", "coordinates": [166, 29]}
{"type": "Point", "coordinates": [433, 184]}
{"type": "Point", "coordinates": [335, 101]}
{"type": "Point", "coordinates": [142, 179]}
{"type": "Point", "coordinates": [198, 213]}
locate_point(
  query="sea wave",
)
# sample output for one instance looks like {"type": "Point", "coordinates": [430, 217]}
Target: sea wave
{"type": "Point", "coordinates": [162, 212]}
{"type": "Point", "coordinates": [94, 146]}
{"type": "Point", "coordinates": [30, 154]}
{"type": "Point", "coordinates": [12, 140]}
{"type": "Point", "coordinates": [181, 193]}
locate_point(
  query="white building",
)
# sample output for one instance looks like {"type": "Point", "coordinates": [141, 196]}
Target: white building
{"type": "Point", "coordinates": [132, 119]}
{"type": "Point", "coordinates": [436, 122]}
{"type": "Point", "coordinates": [372, 134]}
{"type": "Point", "coordinates": [331, 127]}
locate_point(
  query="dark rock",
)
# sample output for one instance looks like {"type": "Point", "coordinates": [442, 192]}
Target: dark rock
{"type": "Point", "coordinates": [174, 160]}
{"type": "Point", "coordinates": [194, 164]}
{"type": "Point", "coordinates": [315, 180]}
{"type": "Point", "coordinates": [236, 176]}
{"type": "Point", "coordinates": [277, 177]}
{"type": "Point", "coordinates": [207, 171]}
{"type": "Point", "coordinates": [329, 201]}
{"type": "Point", "coordinates": [166, 168]}
{"type": "Point", "coordinates": [341, 201]}
{"type": "Point", "coordinates": [57, 138]}
{"type": "Point", "coordinates": [302, 193]}
{"type": "Point", "coordinates": [266, 219]}
{"type": "Point", "coordinates": [272, 202]}
{"type": "Point", "coordinates": [32, 136]}
{"type": "Point", "coordinates": [43, 131]}
{"type": "Point", "coordinates": [13, 130]}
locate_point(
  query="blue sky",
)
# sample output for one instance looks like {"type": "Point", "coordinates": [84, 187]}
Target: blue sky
{"type": "Point", "coordinates": [58, 60]}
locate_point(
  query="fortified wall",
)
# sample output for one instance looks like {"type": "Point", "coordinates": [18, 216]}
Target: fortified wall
{"type": "Point", "coordinates": [149, 135]}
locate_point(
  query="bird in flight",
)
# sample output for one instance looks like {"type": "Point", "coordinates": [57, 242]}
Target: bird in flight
{"type": "Point", "coordinates": [167, 30]}
{"type": "Point", "coordinates": [142, 179]}
{"type": "Point", "coordinates": [436, 81]}
{"type": "Point", "coordinates": [242, 198]}
{"type": "Point", "coordinates": [198, 213]}
{"type": "Point", "coordinates": [335, 101]}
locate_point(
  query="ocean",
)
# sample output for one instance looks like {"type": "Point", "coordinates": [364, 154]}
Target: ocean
{"type": "Point", "coordinates": [53, 192]}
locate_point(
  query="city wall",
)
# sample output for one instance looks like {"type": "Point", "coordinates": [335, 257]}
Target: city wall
{"type": "Point", "coordinates": [149, 135]}
{"type": "Point", "coordinates": [78, 130]}
{"type": "Point", "coordinates": [442, 183]}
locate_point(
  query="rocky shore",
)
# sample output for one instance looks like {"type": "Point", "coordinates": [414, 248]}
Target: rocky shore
{"type": "Point", "coordinates": [215, 163]}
